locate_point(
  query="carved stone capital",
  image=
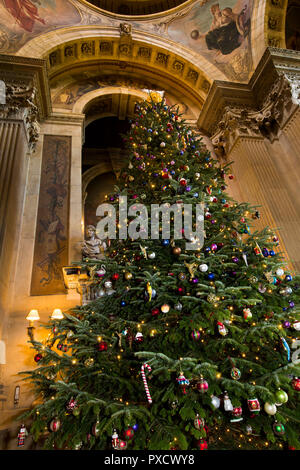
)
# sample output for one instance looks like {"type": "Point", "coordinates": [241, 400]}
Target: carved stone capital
{"type": "Point", "coordinates": [21, 105]}
{"type": "Point", "coordinates": [257, 110]}
{"type": "Point", "coordinates": [27, 95]}
{"type": "Point", "coordinates": [264, 122]}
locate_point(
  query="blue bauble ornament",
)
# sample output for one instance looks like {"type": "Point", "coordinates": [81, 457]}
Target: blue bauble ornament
{"type": "Point", "coordinates": [135, 427]}
{"type": "Point", "coordinates": [196, 194]}
{"type": "Point", "coordinates": [166, 242]}
{"type": "Point", "coordinates": [288, 277]}
{"type": "Point", "coordinates": [207, 250]}
{"type": "Point", "coordinates": [123, 303]}
{"type": "Point", "coordinates": [272, 253]}
{"type": "Point", "coordinates": [265, 252]}
{"type": "Point", "coordinates": [181, 152]}
{"type": "Point", "coordinates": [211, 276]}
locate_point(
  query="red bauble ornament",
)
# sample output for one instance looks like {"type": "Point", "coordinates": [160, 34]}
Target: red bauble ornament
{"type": "Point", "coordinates": [202, 444]}
{"type": "Point", "coordinates": [182, 182]}
{"type": "Point", "coordinates": [102, 346]}
{"type": "Point", "coordinates": [180, 290]}
{"type": "Point", "coordinates": [296, 384]}
{"type": "Point", "coordinates": [155, 311]}
{"type": "Point", "coordinates": [202, 385]}
{"type": "Point", "coordinates": [55, 425]}
{"type": "Point", "coordinates": [115, 276]}
{"type": "Point", "coordinates": [231, 177]}
{"type": "Point", "coordinates": [38, 357]}
{"type": "Point", "coordinates": [199, 422]}
{"type": "Point", "coordinates": [129, 433]}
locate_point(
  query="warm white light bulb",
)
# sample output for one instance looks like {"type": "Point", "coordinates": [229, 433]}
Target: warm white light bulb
{"type": "Point", "coordinates": [33, 315]}
{"type": "Point", "coordinates": [57, 314]}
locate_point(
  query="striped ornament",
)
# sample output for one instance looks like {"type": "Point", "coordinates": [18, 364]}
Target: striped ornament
{"type": "Point", "coordinates": [145, 381]}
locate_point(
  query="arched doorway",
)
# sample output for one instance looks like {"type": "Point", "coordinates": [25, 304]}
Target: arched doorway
{"type": "Point", "coordinates": [103, 155]}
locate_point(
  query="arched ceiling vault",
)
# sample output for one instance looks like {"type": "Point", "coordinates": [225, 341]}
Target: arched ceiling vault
{"type": "Point", "coordinates": [85, 64]}
{"type": "Point", "coordinates": [118, 102]}
{"type": "Point", "coordinates": [95, 49]}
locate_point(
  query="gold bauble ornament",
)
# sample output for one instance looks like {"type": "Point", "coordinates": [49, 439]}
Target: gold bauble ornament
{"type": "Point", "coordinates": [89, 362]}
{"type": "Point", "coordinates": [165, 308]}
{"type": "Point", "coordinates": [176, 251]}
{"type": "Point", "coordinates": [128, 276]}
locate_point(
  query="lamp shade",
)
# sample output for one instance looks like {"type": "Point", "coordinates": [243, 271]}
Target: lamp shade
{"type": "Point", "coordinates": [57, 314]}
{"type": "Point", "coordinates": [33, 315]}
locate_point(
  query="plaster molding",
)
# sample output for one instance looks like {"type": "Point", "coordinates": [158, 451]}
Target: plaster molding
{"type": "Point", "coordinates": [27, 94]}
{"type": "Point", "coordinates": [258, 110]}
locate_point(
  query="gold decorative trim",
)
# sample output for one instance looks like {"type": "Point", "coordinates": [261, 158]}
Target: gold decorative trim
{"type": "Point", "coordinates": [275, 18]}
{"type": "Point", "coordinates": [162, 13]}
{"type": "Point", "coordinates": [124, 53]}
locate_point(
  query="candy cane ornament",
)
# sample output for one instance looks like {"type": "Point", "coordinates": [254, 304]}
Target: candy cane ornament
{"type": "Point", "coordinates": [145, 381]}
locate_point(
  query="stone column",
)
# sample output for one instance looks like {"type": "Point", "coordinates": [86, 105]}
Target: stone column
{"type": "Point", "coordinates": [18, 135]}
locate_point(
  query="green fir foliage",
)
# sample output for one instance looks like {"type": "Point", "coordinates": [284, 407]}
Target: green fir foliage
{"type": "Point", "coordinates": [203, 334]}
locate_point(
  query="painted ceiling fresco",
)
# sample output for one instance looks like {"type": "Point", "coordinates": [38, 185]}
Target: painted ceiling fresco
{"type": "Point", "coordinates": [219, 31]}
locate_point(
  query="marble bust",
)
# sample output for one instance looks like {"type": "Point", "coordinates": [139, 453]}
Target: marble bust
{"type": "Point", "coordinates": [93, 247]}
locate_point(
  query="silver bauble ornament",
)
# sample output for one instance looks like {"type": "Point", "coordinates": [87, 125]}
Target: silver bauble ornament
{"type": "Point", "coordinates": [270, 409]}
{"type": "Point", "coordinates": [178, 307]}
{"type": "Point", "coordinates": [203, 268]}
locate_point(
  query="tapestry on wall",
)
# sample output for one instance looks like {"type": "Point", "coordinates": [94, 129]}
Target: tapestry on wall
{"type": "Point", "coordinates": [51, 240]}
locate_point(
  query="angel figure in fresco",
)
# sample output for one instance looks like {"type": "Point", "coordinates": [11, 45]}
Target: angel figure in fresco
{"type": "Point", "coordinates": [227, 30]}
{"type": "Point", "coordinates": [25, 12]}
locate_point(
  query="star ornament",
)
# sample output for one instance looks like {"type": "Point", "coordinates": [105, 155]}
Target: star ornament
{"type": "Point", "coordinates": [191, 268]}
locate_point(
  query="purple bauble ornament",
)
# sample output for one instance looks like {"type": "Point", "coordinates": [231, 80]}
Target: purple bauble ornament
{"type": "Point", "coordinates": [286, 324]}
{"type": "Point", "coordinates": [235, 259]}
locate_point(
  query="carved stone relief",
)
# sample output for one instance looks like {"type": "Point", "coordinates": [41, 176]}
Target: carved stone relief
{"type": "Point", "coordinates": [265, 122]}
{"type": "Point", "coordinates": [21, 105]}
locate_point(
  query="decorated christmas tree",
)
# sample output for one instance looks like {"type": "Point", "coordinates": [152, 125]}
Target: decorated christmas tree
{"type": "Point", "coordinates": [190, 343]}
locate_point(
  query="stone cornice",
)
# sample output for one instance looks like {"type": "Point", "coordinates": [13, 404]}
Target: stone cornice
{"type": "Point", "coordinates": [251, 96]}
{"type": "Point", "coordinates": [29, 72]}
{"type": "Point", "coordinates": [257, 110]}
